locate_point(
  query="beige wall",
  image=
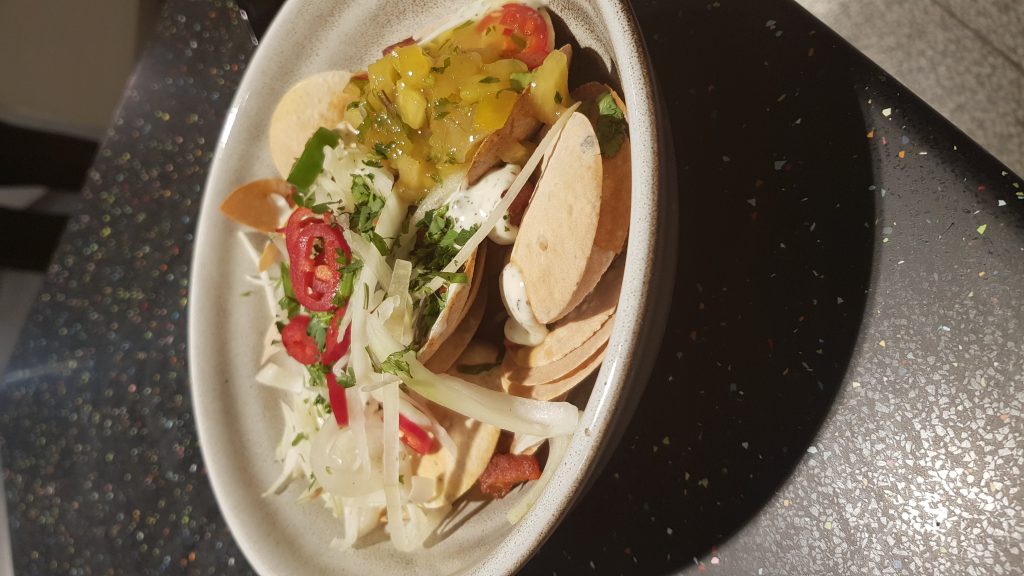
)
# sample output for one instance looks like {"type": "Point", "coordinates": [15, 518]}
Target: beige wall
{"type": "Point", "coordinates": [63, 63]}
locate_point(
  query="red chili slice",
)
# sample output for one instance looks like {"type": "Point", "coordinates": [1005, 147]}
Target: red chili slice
{"type": "Point", "coordinates": [339, 404]}
{"type": "Point", "coordinates": [504, 471]}
{"type": "Point", "coordinates": [526, 33]}
{"type": "Point", "coordinates": [414, 437]}
{"type": "Point", "coordinates": [299, 219]}
{"type": "Point", "coordinates": [334, 350]}
{"type": "Point", "coordinates": [314, 268]}
{"type": "Point", "coordinates": [298, 343]}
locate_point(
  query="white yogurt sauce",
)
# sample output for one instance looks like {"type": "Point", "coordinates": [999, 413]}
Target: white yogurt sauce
{"type": "Point", "coordinates": [472, 206]}
{"type": "Point", "coordinates": [522, 326]}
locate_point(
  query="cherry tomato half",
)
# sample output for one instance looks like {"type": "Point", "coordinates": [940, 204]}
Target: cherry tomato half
{"type": "Point", "coordinates": [527, 35]}
{"type": "Point", "coordinates": [298, 343]}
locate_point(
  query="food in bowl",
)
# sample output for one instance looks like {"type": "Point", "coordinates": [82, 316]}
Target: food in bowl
{"type": "Point", "coordinates": [442, 255]}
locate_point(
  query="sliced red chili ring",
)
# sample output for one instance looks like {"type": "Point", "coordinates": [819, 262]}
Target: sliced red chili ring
{"type": "Point", "coordinates": [335, 349]}
{"type": "Point", "coordinates": [414, 437]}
{"type": "Point", "coordinates": [314, 268]}
{"type": "Point", "coordinates": [339, 403]}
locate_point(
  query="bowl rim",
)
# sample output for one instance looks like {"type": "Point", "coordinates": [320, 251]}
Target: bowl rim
{"type": "Point", "coordinates": [629, 349]}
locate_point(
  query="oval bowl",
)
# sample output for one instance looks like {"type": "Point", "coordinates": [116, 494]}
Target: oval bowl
{"type": "Point", "coordinates": [239, 421]}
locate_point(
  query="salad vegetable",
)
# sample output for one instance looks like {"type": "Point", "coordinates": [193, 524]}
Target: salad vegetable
{"type": "Point", "coordinates": [442, 254]}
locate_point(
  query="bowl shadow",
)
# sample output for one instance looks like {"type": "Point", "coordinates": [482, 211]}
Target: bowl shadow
{"type": "Point", "coordinates": [776, 245]}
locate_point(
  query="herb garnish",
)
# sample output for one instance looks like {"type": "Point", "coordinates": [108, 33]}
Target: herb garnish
{"type": "Point", "coordinates": [610, 125]}
{"type": "Point", "coordinates": [520, 81]}
{"type": "Point", "coordinates": [396, 364]}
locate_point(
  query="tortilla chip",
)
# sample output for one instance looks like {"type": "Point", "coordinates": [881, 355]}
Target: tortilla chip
{"type": "Point", "coordinates": [314, 102]}
{"type": "Point", "coordinates": [506, 142]}
{"type": "Point", "coordinates": [514, 374]}
{"type": "Point", "coordinates": [460, 298]}
{"type": "Point", "coordinates": [616, 190]}
{"type": "Point", "coordinates": [560, 387]}
{"type": "Point", "coordinates": [258, 204]}
{"type": "Point", "coordinates": [270, 256]}
{"type": "Point", "coordinates": [475, 444]}
{"type": "Point", "coordinates": [450, 350]}
{"type": "Point", "coordinates": [520, 126]}
{"type": "Point", "coordinates": [577, 326]}
{"type": "Point", "coordinates": [557, 234]}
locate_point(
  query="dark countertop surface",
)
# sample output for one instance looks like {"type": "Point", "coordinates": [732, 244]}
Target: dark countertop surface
{"type": "Point", "coordinates": [839, 390]}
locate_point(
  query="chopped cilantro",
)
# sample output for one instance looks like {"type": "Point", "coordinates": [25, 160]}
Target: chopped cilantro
{"type": "Point", "coordinates": [347, 379]}
{"type": "Point", "coordinates": [396, 363]}
{"type": "Point", "coordinates": [246, 294]}
{"type": "Point", "coordinates": [288, 302]}
{"type": "Point", "coordinates": [558, 97]}
{"type": "Point", "coordinates": [373, 163]}
{"type": "Point", "coordinates": [610, 125]}
{"type": "Point", "coordinates": [368, 203]}
{"type": "Point", "coordinates": [322, 404]}
{"type": "Point", "coordinates": [319, 322]}
{"type": "Point", "coordinates": [349, 272]}
{"type": "Point", "coordinates": [442, 68]}
{"type": "Point", "coordinates": [353, 105]}
{"type": "Point", "coordinates": [317, 375]}
{"type": "Point", "coordinates": [518, 40]}
{"type": "Point", "coordinates": [520, 81]}
{"type": "Point", "coordinates": [489, 80]}
{"type": "Point", "coordinates": [441, 108]}
{"type": "Point", "coordinates": [299, 438]}
{"type": "Point", "coordinates": [430, 309]}
{"type": "Point", "coordinates": [378, 242]}
{"type": "Point", "coordinates": [439, 243]}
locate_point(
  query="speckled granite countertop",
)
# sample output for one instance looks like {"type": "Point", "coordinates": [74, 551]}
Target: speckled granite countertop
{"type": "Point", "coordinates": [840, 388]}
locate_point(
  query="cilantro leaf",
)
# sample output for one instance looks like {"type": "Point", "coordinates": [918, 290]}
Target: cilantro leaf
{"type": "Point", "coordinates": [319, 322]}
{"type": "Point", "coordinates": [610, 125]}
{"type": "Point", "coordinates": [317, 375]}
{"type": "Point", "coordinates": [520, 81]}
{"type": "Point", "coordinates": [347, 379]}
{"type": "Point", "coordinates": [378, 242]}
{"type": "Point", "coordinates": [441, 69]}
{"type": "Point", "coordinates": [368, 203]}
{"type": "Point", "coordinates": [396, 364]}
{"type": "Point", "coordinates": [489, 80]}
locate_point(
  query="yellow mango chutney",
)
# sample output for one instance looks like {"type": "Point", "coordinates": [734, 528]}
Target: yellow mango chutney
{"type": "Point", "coordinates": [425, 108]}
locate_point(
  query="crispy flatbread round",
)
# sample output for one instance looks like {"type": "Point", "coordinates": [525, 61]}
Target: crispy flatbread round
{"type": "Point", "coordinates": [577, 326]}
{"type": "Point", "coordinates": [513, 373]}
{"type": "Point", "coordinates": [475, 444]}
{"type": "Point", "coordinates": [450, 350]}
{"type": "Point", "coordinates": [616, 189]}
{"type": "Point", "coordinates": [460, 298]}
{"type": "Point", "coordinates": [258, 204]}
{"type": "Point", "coordinates": [561, 386]}
{"type": "Point", "coordinates": [314, 102]}
{"type": "Point", "coordinates": [557, 233]}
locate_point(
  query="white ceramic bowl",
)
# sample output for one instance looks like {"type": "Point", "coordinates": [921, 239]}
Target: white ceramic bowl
{"type": "Point", "coordinates": [239, 421]}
